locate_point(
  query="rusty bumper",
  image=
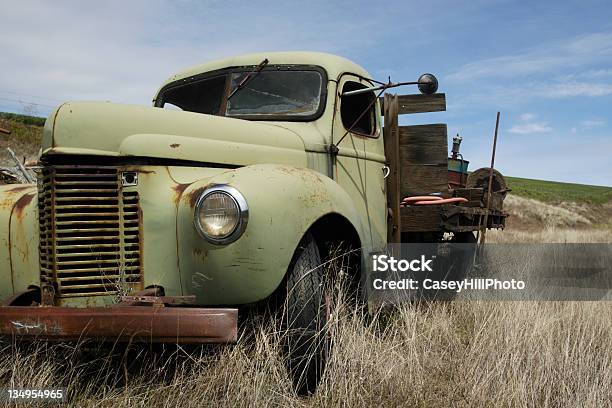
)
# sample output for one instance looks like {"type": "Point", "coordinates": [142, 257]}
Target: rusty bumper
{"type": "Point", "coordinates": [152, 324]}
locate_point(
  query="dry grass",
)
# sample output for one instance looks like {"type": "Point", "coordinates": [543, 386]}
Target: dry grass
{"type": "Point", "coordinates": [547, 215]}
{"type": "Point", "coordinates": [24, 140]}
{"type": "Point", "coordinates": [533, 215]}
{"type": "Point", "coordinates": [551, 235]}
{"type": "Point", "coordinates": [438, 355]}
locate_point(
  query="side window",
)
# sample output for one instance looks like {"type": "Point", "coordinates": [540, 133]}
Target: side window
{"type": "Point", "coordinates": [203, 96]}
{"type": "Point", "coordinates": [353, 106]}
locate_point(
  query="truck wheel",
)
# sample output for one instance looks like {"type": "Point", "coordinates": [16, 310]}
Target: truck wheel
{"type": "Point", "coordinates": [305, 317]}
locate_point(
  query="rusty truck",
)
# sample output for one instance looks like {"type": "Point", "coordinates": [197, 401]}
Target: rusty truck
{"type": "Point", "coordinates": [159, 224]}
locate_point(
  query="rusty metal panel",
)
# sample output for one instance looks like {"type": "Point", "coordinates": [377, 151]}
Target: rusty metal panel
{"type": "Point", "coordinates": [155, 324]}
{"type": "Point", "coordinates": [23, 239]}
{"type": "Point", "coordinates": [419, 103]}
{"type": "Point", "coordinates": [90, 231]}
{"type": "Point", "coordinates": [18, 238]}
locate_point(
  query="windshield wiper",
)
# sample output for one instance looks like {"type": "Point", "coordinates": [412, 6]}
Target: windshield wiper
{"type": "Point", "coordinates": [248, 77]}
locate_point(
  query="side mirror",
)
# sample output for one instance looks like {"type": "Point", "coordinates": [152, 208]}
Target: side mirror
{"type": "Point", "coordinates": [428, 84]}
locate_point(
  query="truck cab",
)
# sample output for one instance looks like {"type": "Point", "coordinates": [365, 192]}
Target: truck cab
{"type": "Point", "coordinates": [301, 93]}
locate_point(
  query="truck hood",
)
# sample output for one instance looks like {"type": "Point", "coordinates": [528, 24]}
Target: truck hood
{"type": "Point", "coordinates": [109, 129]}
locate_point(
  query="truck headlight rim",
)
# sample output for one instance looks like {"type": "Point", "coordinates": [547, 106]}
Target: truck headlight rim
{"type": "Point", "coordinates": [243, 214]}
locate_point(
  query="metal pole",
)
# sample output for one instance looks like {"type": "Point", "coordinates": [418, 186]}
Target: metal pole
{"type": "Point", "coordinates": [379, 88]}
{"type": "Point", "coordinates": [486, 218]}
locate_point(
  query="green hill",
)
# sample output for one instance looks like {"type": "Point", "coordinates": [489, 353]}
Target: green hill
{"type": "Point", "coordinates": [25, 137]}
{"type": "Point", "coordinates": [556, 192]}
{"type": "Point", "coordinates": [23, 119]}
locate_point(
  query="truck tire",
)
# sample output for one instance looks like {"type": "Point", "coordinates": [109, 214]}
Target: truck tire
{"type": "Point", "coordinates": [305, 317]}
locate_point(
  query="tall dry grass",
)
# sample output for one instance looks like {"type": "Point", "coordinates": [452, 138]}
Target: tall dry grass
{"type": "Point", "coordinates": [435, 355]}
{"type": "Point", "coordinates": [551, 235]}
{"type": "Point", "coordinates": [463, 354]}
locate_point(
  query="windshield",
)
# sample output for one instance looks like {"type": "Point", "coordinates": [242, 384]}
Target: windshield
{"type": "Point", "coordinates": [271, 94]}
{"type": "Point", "coordinates": [277, 93]}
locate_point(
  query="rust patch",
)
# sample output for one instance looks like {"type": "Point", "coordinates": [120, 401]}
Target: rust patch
{"type": "Point", "coordinates": [139, 170]}
{"type": "Point", "coordinates": [315, 194]}
{"type": "Point", "coordinates": [306, 175]}
{"type": "Point", "coordinates": [22, 203]}
{"type": "Point", "coordinates": [122, 323]}
{"type": "Point", "coordinates": [6, 203]}
{"type": "Point", "coordinates": [8, 195]}
{"type": "Point", "coordinates": [174, 145]}
{"type": "Point", "coordinates": [194, 195]}
{"type": "Point", "coordinates": [178, 191]}
{"type": "Point", "coordinates": [18, 188]}
{"type": "Point", "coordinates": [200, 253]}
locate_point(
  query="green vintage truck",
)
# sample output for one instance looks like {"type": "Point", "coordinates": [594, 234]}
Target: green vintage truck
{"type": "Point", "coordinates": [160, 223]}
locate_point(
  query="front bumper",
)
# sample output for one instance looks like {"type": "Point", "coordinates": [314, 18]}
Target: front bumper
{"type": "Point", "coordinates": [121, 323]}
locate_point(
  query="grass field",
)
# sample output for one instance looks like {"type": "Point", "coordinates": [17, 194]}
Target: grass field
{"type": "Point", "coordinates": [554, 192]}
{"type": "Point", "coordinates": [459, 354]}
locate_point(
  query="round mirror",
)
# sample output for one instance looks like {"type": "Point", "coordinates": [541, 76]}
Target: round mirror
{"type": "Point", "coordinates": [428, 84]}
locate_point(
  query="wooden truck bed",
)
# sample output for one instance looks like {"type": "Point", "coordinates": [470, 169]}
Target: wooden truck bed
{"type": "Point", "coordinates": [448, 218]}
{"type": "Point", "coordinates": [418, 162]}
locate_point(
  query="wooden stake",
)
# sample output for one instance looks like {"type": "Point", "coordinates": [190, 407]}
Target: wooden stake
{"type": "Point", "coordinates": [486, 217]}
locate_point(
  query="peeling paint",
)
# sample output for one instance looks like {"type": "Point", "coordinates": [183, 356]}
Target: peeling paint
{"type": "Point", "coordinates": [194, 195]}
{"type": "Point", "coordinates": [22, 203]}
{"type": "Point", "coordinates": [178, 190]}
{"type": "Point", "coordinates": [200, 253]}
{"type": "Point", "coordinates": [17, 188]}
{"type": "Point", "coordinates": [27, 327]}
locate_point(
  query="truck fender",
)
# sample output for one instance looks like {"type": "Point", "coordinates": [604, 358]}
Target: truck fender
{"type": "Point", "coordinates": [19, 237]}
{"type": "Point", "coordinates": [284, 202]}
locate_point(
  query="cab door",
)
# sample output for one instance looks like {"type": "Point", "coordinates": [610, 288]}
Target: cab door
{"type": "Point", "coordinates": [359, 166]}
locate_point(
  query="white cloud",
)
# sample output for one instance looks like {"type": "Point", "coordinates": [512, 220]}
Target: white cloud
{"type": "Point", "coordinates": [589, 123]}
{"type": "Point", "coordinates": [568, 89]}
{"type": "Point", "coordinates": [122, 51]}
{"type": "Point", "coordinates": [598, 73]}
{"type": "Point", "coordinates": [529, 128]}
{"type": "Point", "coordinates": [573, 52]}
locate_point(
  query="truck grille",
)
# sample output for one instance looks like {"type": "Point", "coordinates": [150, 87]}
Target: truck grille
{"type": "Point", "coordinates": [90, 231]}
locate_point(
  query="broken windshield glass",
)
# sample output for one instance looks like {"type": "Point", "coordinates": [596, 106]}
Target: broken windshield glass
{"type": "Point", "coordinates": [274, 93]}
{"type": "Point", "coordinates": [295, 93]}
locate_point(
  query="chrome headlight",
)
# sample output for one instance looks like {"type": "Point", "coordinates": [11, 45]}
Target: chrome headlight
{"type": "Point", "coordinates": [221, 214]}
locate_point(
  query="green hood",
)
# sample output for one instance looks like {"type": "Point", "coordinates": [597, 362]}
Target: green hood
{"type": "Point", "coordinates": [108, 129]}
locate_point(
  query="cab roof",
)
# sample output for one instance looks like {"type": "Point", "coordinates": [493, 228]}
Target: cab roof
{"type": "Point", "coordinates": [333, 64]}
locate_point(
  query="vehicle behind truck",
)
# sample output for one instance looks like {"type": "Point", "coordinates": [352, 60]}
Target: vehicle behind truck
{"type": "Point", "coordinates": [163, 223]}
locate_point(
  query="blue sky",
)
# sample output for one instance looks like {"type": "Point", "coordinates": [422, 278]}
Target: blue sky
{"type": "Point", "coordinates": [547, 66]}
